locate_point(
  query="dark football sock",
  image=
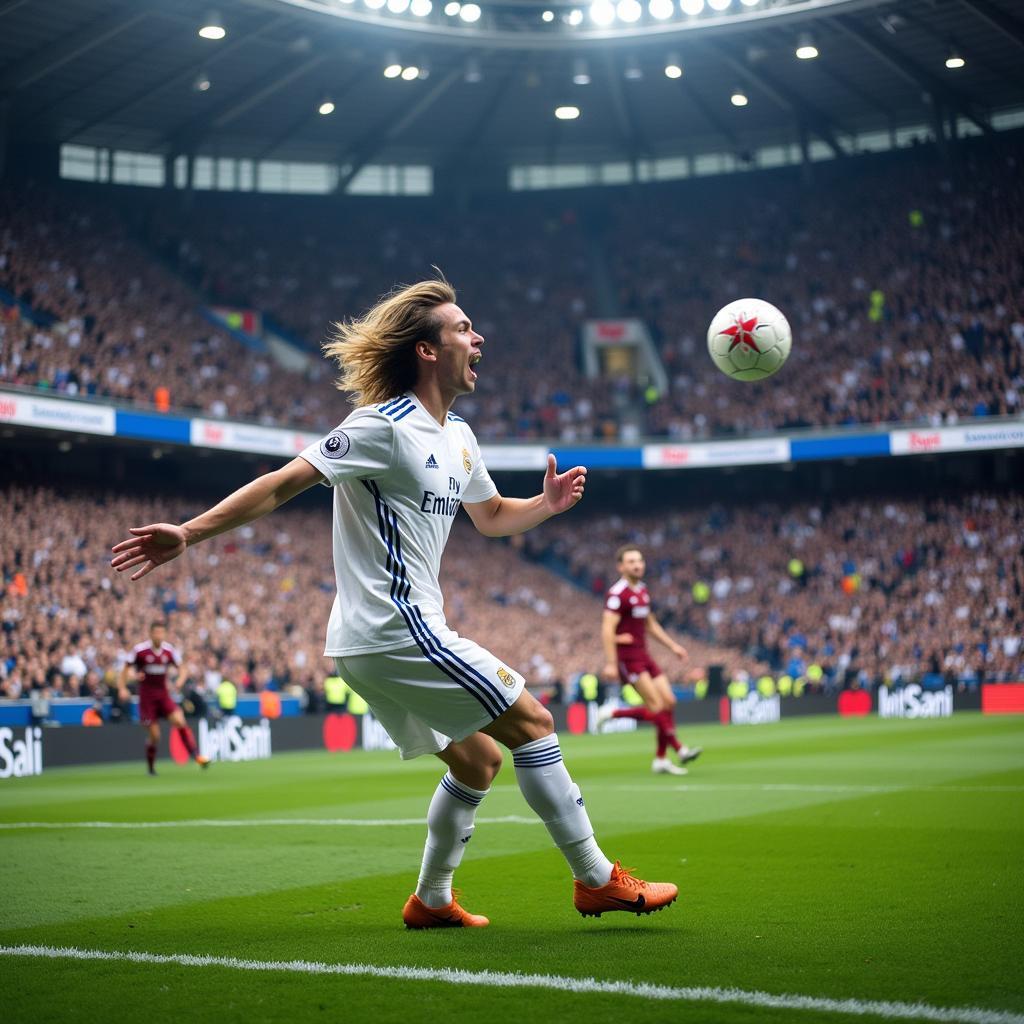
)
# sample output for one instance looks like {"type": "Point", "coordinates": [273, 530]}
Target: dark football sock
{"type": "Point", "coordinates": [185, 734]}
{"type": "Point", "coordinates": [640, 714]}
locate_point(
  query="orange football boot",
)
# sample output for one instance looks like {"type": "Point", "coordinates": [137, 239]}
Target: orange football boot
{"type": "Point", "coordinates": [416, 914]}
{"type": "Point", "coordinates": [202, 761]}
{"type": "Point", "coordinates": [623, 892]}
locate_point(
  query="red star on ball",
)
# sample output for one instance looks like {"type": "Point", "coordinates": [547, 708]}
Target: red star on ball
{"type": "Point", "coordinates": [742, 333]}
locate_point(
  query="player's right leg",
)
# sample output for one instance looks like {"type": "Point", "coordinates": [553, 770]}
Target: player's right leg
{"type": "Point", "coordinates": [472, 764]}
{"type": "Point", "coordinates": [659, 700]}
{"type": "Point", "coordinates": [667, 725]}
{"type": "Point", "coordinates": [176, 719]}
{"type": "Point", "coordinates": [527, 729]}
{"type": "Point", "coordinates": [152, 728]}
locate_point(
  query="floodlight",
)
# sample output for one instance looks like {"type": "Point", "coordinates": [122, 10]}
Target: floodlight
{"type": "Point", "coordinates": [806, 50]}
{"type": "Point", "coordinates": [212, 27]}
{"type": "Point", "coordinates": [629, 10]}
{"type": "Point", "coordinates": [602, 13]}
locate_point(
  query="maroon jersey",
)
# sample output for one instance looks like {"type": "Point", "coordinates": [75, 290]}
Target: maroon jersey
{"type": "Point", "coordinates": [152, 665]}
{"type": "Point", "coordinates": [633, 605]}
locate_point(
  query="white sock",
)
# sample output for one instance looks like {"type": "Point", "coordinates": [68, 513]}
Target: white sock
{"type": "Point", "coordinates": [556, 799]}
{"type": "Point", "coordinates": [449, 828]}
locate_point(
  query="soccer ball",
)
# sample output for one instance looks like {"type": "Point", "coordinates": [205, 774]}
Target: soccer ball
{"type": "Point", "coordinates": [749, 339]}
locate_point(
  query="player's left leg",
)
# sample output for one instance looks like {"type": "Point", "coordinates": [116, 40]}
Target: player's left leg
{"type": "Point", "coordinates": [667, 725]}
{"type": "Point", "coordinates": [472, 764]}
{"type": "Point", "coordinates": [527, 729]}
{"type": "Point", "coordinates": [152, 744]}
{"type": "Point", "coordinates": [177, 720]}
{"type": "Point", "coordinates": [658, 700]}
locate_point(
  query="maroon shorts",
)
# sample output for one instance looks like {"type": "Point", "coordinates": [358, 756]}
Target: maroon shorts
{"type": "Point", "coordinates": [154, 704]}
{"type": "Point", "coordinates": [633, 663]}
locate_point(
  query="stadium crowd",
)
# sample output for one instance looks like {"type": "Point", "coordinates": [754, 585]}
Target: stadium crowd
{"type": "Point", "coordinates": [250, 606]}
{"type": "Point", "coordinates": [112, 322]}
{"type": "Point", "coordinates": [869, 591]}
{"type": "Point", "coordinates": [904, 288]}
{"type": "Point", "coordinates": [911, 310]}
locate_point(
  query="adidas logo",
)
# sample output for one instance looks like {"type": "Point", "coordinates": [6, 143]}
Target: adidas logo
{"type": "Point", "coordinates": [431, 463]}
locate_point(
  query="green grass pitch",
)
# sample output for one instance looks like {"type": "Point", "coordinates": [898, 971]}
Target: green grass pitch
{"type": "Point", "coordinates": [842, 859]}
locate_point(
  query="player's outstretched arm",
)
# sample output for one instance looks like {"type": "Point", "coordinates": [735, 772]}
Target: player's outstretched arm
{"type": "Point", "coordinates": [609, 642]}
{"type": "Point", "coordinates": [503, 517]}
{"type": "Point", "coordinates": [655, 629]}
{"type": "Point", "coordinates": [159, 543]}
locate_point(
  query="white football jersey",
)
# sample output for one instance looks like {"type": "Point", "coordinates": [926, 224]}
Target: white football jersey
{"type": "Point", "coordinates": [399, 479]}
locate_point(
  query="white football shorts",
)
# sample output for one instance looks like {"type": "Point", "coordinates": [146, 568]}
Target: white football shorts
{"type": "Point", "coordinates": [445, 688]}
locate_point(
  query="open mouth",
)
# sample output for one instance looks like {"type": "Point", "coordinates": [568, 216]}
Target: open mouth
{"type": "Point", "coordinates": [473, 360]}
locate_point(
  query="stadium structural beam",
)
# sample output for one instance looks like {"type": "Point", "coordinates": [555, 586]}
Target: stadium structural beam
{"type": "Point", "coordinates": [937, 90]}
{"type": "Point", "coordinates": [855, 90]}
{"type": "Point", "coordinates": [44, 105]}
{"type": "Point", "coordinates": [476, 128]}
{"type": "Point", "coordinates": [184, 74]}
{"type": "Point", "coordinates": [707, 112]}
{"type": "Point", "coordinates": [828, 69]}
{"type": "Point", "coordinates": [13, 5]}
{"type": "Point", "coordinates": [376, 140]}
{"type": "Point", "coordinates": [631, 135]}
{"type": "Point", "coordinates": [786, 98]}
{"type": "Point", "coordinates": [244, 99]}
{"type": "Point", "coordinates": [52, 57]}
{"type": "Point", "coordinates": [998, 19]}
{"type": "Point", "coordinates": [308, 113]}
{"type": "Point", "coordinates": [5, 127]}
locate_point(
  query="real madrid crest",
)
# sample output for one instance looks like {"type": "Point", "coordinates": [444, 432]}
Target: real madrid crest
{"type": "Point", "coordinates": [506, 677]}
{"type": "Point", "coordinates": [467, 462]}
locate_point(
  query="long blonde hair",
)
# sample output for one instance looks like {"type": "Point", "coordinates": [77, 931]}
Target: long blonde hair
{"type": "Point", "coordinates": [376, 353]}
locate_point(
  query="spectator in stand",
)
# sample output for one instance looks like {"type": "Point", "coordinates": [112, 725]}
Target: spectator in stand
{"type": "Point", "coordinates": [887, 590]}
{"type": "Point", "coordinates": [897, 318]}
{"type": "Point", "coordinates": [934, 586]}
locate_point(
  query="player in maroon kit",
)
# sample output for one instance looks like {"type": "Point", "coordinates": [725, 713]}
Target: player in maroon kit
{"type": "Point", "coordinates": [151, 661]}
{"type": "Point", "coordinates": [627, 621]}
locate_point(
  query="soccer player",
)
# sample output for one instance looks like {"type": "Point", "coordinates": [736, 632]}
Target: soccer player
{"type": "Point", "coordinates": [625, 624]}
{"type": "Point", "coordinates": [401, 465]}
{"type": "Point", "coordinates": [151, 662]}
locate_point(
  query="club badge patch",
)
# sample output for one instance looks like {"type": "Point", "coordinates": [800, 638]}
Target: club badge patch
{"type": "Point", "coordinates": [467, 462]}
{"type": "Point", "coordinates": [335, 446]}
{"type": "Point", "coordinates": [506, 677]}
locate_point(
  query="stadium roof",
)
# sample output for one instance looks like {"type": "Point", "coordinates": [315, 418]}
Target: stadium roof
{"type": "Point", "coordinates": [130, 76]}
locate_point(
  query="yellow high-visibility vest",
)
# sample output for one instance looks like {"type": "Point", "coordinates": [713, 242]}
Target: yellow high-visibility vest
{"type": "Point", "coordinates": [588, 686]}
{"type": "Point", "coordinates": [631, 697]}
{"type": "Point", "coordinates": [335, 690]}
{"type": "Point", "coordinates": [356, 704]}
{"type": "Point", "coordinates": [227, 695]}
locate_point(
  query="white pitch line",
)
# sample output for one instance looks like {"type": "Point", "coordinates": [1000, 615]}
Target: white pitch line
{"type": "Point", "coordinates": [800, 787]}
{"type": "Point", "coordinates": [580, 986]}
{"type": "Point", "coordinates": [511, 819]}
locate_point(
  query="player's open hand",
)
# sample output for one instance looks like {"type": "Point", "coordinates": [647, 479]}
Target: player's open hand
{"type": "Point", "coordinates": [563, 490]}
{"type": "Point", "coordinates": [148, 547]}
